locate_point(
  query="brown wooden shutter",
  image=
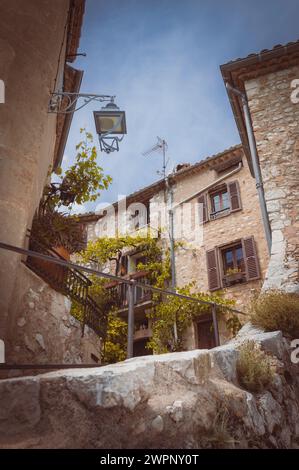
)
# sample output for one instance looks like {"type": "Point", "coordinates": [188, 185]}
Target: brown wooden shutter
{"type": "Point", "coordinates": [250, 259]}
{"type": "Point", "coordinates": [203, 216]}
{"type": "Point", "coordinates": [234, 193]}
{"type": "Point", "coordinates": [213, 270]}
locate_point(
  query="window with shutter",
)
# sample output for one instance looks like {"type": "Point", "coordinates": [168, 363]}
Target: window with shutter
{"type": "Point", "coordinates": [213, 270]}
{"type": "Point", "coordinates": [250, 258]}
{"type": "Point", "coordinates": [234, 194]}
{"type": "Point", "coordinates": [203, 209]}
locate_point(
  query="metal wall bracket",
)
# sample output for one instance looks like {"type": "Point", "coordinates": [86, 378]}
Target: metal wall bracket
{"type": "Point", "coordinates": [66, 103]}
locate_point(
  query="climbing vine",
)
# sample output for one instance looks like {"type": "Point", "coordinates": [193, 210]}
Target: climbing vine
{"type": "Point", "coordinates": [182, 312]}
{"type": "Point", "coordinates": [167, 310]}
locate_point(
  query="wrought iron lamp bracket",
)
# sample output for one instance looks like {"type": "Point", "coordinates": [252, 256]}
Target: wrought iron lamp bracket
{"type": "Point", "coordinates": [66, 103]}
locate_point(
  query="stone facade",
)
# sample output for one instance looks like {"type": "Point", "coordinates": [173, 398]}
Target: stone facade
{"type": "Point", "coordinates": [45, 332]}
{"type": "Point", "coordinates": [229, 228]}
{"type": "Point", "coordinates": [276, 127]}
{"type": "Point", "coordinates": [186, 400]}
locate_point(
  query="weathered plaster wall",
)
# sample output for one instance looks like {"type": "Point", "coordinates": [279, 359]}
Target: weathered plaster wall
{"type": "Point", "coordinates": [31, 34]}
{"type": "Point", "coordinates": [45, 332]}
{"type": "Point", "coordinates": [276, 126]}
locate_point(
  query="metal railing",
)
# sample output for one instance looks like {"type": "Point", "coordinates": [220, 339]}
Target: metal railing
{"type": "Point", "coordinates": [119, 289]}
{"type": "Point", "coordinates": [131, 286]}
{"type": "Point", "coordinates": [68, 281]}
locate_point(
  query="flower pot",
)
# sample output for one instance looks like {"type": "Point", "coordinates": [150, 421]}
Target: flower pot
{"type": "Point", "coordinates": [52, 273]}
{"type": "Point", "coordinates": [233, 278]}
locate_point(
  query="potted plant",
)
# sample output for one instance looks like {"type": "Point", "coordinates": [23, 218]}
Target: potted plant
{"type": "Point", "coordinates": [57, 234]}
{"type": "Point", "coordinates": [233, 276]}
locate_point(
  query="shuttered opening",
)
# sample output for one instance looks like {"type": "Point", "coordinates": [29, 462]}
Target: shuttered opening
{"type": "Point", "coordinates": [234, 194]}
{"type": "Point", "coordinates": [250, 258]}
{"type": "Point", "coordinates": [213, 270]}
{"type": "Point", "coordinates": [203, 208]}
{"type": "Point", "coordinates": [251, 262]}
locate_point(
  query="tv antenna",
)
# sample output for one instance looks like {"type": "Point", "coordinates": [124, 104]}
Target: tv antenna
{"type": "Point", "coordinates": [160, 146]}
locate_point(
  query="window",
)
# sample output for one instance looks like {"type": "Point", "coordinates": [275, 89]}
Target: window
{"type": "Point", "coordinates": [232, 263]}
{"type": "Point", "coordinates": [233, 259]}
{"type": "Point", "coordinates": [220, 200]}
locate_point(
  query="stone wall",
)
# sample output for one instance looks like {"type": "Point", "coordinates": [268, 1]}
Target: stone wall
{"type": "Point", "coordinates": [31, 39]}
{"type": "Point", "coordinates": [186, 400]}
{"type": "Point", "coordinates": [45, 332]}
{"type": "Point", "coordinates": [191, 260]}
{"type": "Point", "coordinates": [276, 127]}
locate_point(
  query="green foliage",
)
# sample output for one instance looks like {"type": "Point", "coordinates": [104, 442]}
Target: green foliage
{"type": "Point", "coordinates": [168, 310]}
{"type": "Point", "coordinates": [277, 310]}
{"type": "Point", "coordinates": [233, 323]}
{"type": "Point", "coordinates": [82, 182]}
{"type": "Point", "coordinates": [115, 342]}
{"type": "Point", "coordinates": [182, 312]}
{"type": "Point", "coordinates": [254, 367]}
{"type": "Point", "coordinates": [108, 249]}
{"type": "Point", "coordinates": [115, 345]}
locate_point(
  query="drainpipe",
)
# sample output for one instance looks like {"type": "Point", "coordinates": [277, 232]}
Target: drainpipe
{"type": "Point", "coordinates": [255, 163]}
{"type": "Point", "coordinates": [172, 254]}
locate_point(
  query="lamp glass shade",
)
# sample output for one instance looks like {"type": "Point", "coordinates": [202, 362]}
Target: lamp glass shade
{"type": "Point", "coordinates": [105, 121]}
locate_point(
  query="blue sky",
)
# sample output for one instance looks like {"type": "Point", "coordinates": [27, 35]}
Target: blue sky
{"type": "Point", "coordinates": [161, 59]}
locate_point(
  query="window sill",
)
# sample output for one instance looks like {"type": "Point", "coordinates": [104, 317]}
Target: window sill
{"type": "Point", "coordinates": [219, 214]}
{"type": "Point", "coordinates": [233, 282]}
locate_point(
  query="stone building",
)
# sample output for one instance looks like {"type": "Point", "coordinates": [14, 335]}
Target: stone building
{"type": "Point", "coordinates": [38, 42]}
{"type": "Point", "coordinates": [270, 82]}
{"type": "Point", "coordinates": [229, 255]}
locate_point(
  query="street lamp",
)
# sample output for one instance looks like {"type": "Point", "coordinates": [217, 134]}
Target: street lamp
{"type": "Point", "coordinates": [110, 121]}
{"type": "Point", "coordinates": [110, 124]}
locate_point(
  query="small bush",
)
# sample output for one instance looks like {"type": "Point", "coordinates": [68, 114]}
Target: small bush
{"type": "Point", "coordinates": [277, 310]}
{"type": "Point", "coordinates": [254, 367]}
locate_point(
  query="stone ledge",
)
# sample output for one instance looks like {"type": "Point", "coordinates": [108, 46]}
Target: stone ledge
{"type": "Point", "coordinates": [170, 400]}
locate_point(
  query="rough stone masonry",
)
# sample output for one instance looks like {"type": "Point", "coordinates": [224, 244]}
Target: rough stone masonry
{"type": "Point", "coordinates": [181, 400]}
{"type": "Point", "coordinates": [275, 121]}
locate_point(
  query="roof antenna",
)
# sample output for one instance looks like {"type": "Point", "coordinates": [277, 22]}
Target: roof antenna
{"type": "Point", "coordinates": [160, 146]}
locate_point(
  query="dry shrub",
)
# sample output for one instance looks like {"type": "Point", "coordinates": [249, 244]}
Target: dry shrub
{"type": "Point", "coordinates": [254, 367]}
{"type": "Point", "coordinates": [277, 310]}
{"type": "Point", "coordinates": [220, 435]}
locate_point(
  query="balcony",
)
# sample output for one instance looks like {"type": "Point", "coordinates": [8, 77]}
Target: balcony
{"type": "Point", "coordinates": [142, 333]}
{"type": "Point", "coordinates": [119, 290]}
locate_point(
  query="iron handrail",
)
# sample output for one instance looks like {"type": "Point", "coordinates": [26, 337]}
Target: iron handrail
{"type": "Point", "coordinates": [23, 251]}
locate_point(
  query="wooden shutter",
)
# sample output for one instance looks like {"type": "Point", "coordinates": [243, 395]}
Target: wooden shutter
{"type": "Point", "coordinates": [203, 216]}
{"type": "Point", "coordinates": [213, 270]}
{"type": "Point", "coordinates": [250, 259]}
{"type": "Point", "coordinates": [234, 194]}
